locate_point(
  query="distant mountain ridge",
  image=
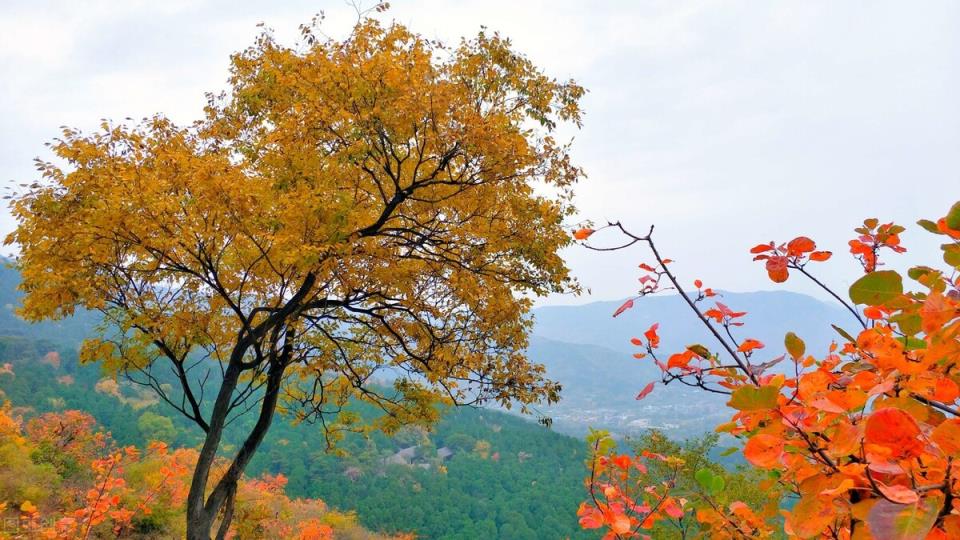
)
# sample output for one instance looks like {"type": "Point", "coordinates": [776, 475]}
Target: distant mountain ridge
{"type": "Point", "coordinates": [589, 352]}
{"type": "Point", "coordinates": [770, 314]}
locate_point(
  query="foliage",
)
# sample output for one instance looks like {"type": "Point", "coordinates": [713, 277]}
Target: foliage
{"type": "Point", "coordinates": [379, 204]}
{"type": "Point", "coordinates": [863, 439]}
{"type": "Point", "coordinates": [122, 492]}
{"type": "Point", "coordinates": [529, 493]}
{"type": "Point", "coordinates": [665, 490]}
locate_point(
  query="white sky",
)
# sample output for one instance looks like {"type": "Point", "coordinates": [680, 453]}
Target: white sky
{"type": "Point", "coordinates": [725, 123]}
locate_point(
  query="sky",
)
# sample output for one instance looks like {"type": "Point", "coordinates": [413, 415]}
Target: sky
{"type": "Point", "coordinates": [725, 124]}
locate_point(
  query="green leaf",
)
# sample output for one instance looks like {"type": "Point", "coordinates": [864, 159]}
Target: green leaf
{"type": "Point", "coordinates": [753, 398]}
{"type": "Point", "coordinates": [704, 477]}
{"type": "Point", "coordinates": [914, 344]}
{"type": "Point", "coordinates": [908, 323]}
{"type": "Point", "coordinates": [918, 272]}
{"type": "Point", "coordinates": [844, 333]}
{"type": "Point", "coordinates": [717, 485]}
{"type": "Point", "coordinates": [699, 350]}
{"type": "Point", "coordinates": [795, 346]}
{"type": "Point", "coordinates": [904, 521]}
{"type": "Point", "coordinates": [951, 254]}
{"type": "Point", "coordinates": [729, 451]}
{"type": "Point", "coordinates": [929, 226]}
{"type": "Point", "coordinates": [953, 217]}
{"type": "Point", "coordinates": [875, 288]}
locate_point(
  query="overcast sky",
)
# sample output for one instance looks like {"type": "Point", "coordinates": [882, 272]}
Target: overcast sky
{"type": "Point", "coordinates": [724, 123]}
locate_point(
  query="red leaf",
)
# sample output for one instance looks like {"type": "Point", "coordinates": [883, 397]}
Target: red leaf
{"type": "Point", "coordinates": [622, 461]}
{"type": "Point", "coordinates": [651, 334]}
{"type": "Point", "coordinates": [800, 245]}
{"type": "Point", "coordinates": [646, 391]}
{"type": "Point", "coordinates": [626, 305]}
{"type": "Point", "coordinates": [697, 283]}
{"type": "Point", "coordinates": [673, 510]}
{"type": "Point", "coordinates": [636, 341]}
{"type": "Point", "coordinates": [760, 248]}
{"type": "Point", "coordinates": [590, 517]}
{"type": "Point", "coordinates": [777, 269]}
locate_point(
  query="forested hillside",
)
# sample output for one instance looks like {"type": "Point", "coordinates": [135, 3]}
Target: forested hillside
{"type": "Point", "coordinates": [479, 474]}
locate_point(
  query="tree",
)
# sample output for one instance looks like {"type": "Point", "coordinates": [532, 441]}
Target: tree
{"type": "Point", "coordinates": [373, 209]}
{"type": "Point", "coordinates": [864, 440]}
{"type": "Point", "coordinates": [156, 427]}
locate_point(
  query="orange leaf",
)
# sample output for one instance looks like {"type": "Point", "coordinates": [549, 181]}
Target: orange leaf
{"type": "Point", "coordinates": [680, 360]}
{"type": "Point", "coordinates": [777, 269]}
{"type": "Point", "coordinates": [898, 494]}
{"type": "Point", "coordinates": [636, 341]}
{"type": "Point", "coordinates": [800, 245]}
{"type": "Point", "coordinates": [760, 248]}
{"type": "Point", "coordinates": [583, 233]}
{"type": "Point", "coordinates": [763, 450]}
{"type": "Point", "coordinates": [842, 488]}
{"type": "Point", "coordinates": [620, 523]}
{"type": "Point", "coordinates": [590, 517]}
{"type": "Point", "coordinates": [947, 436]}
{"type": "Point", "coordinates": [945, 390]}
{"type": "Point", "coordinates": [820, 256]}
{"type": "Point", "coordinates": [749, 345]}
{"type": "Point", "coordinates": [651, 334]}
{"type": "Point", "coordinates": [894, 429]}
{"type": "Point", "coordinates": [622, 461]}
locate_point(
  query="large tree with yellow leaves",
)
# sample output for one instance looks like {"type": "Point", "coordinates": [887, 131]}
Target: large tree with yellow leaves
{"type": "Point", "coordinates": [380, 208]}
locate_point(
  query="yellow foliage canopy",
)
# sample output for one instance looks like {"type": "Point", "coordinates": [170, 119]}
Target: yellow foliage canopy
{"type": "Point", "coordinates": [381, 202]}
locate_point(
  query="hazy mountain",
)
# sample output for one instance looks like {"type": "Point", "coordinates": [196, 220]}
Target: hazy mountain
{"type": "Point", "coordinates": [770, 315]}
{"type": "Point", "coordinates": [69, 331]}
{"type": "Point", "coordinates": [589, 353]}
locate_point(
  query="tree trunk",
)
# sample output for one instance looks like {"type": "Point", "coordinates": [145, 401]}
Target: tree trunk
{"type": "Point", "coordinates": [202, 510]}
{"type": "Point", "coordinates": [202, 513]}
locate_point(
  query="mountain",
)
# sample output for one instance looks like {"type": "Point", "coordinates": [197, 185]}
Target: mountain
{"type": "Point", "coordinates": [589, 352]}
{"type": "Point", "coordinates": [770, 315]}
{"type": "Point", "coordinates": [71, 330]}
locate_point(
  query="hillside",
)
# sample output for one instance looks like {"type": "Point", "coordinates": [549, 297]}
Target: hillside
{"type": "Point", "coordinates": [479, 474]}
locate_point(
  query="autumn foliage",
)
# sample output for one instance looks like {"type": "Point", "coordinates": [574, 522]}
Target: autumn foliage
{"type": "Point", "coordinates": [61, 477]}
{"type": "Point", "coordinates": [346, 209]}
{"type": "Point", "coordinates": [863, 437]}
